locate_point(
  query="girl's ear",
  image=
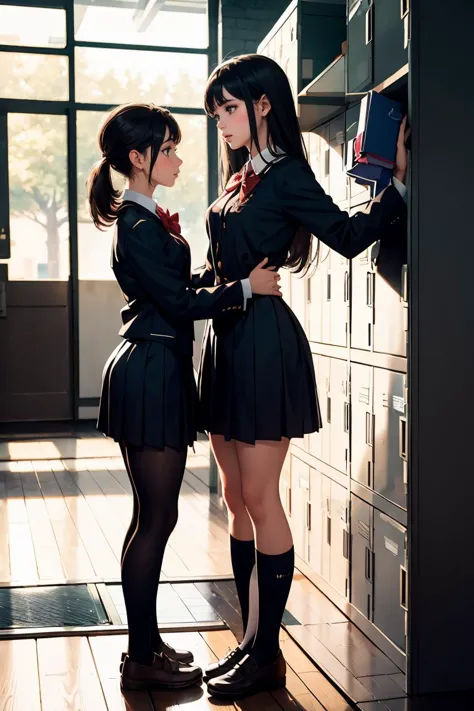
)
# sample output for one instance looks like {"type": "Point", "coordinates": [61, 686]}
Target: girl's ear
{"type": "Point", "coordinates": [136, 159]}
{"type": "Point", "coordinates": [265, 105]}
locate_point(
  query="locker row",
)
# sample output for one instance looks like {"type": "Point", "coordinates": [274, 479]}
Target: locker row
{"type": "Point", "coordinates": [364, 433]}
{"type": "Point", "coordinates": [360, 551]}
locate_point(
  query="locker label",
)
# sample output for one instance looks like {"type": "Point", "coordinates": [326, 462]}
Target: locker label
{"type": "Point", "coordinates": [391, 546]}
{"type": "Point", "coordinates": [398, 404]}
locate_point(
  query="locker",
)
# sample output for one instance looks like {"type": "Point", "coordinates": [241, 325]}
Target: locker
{"type": "Point", "coordinates": [327, 528]}
{"type": "Point", "coordinates": [337, 173]}
{"type": "Point", "coordinates": [299, 296]}
{"type": "Point", "coordinates": [362, 301]}
{"type": "Point", "coordinates": [317, 282]}
{"type": "Point", "coordinates": [324, 158]}
{"type": "Point", "coordinates": [316, 438]}
{"type": "Point", "coordinates": [324, 383]}
{"type": "Point", "coordinates": [325, 266]}
{"type": "Point", "coordinates": [389, 435]}
{"type": "Point", "coordinates": [356, 194]}
{"type": "Point", "coordinates": [339, 539]}
{"type": "Point", "coordinates": [339, 405]}
{"type": "Point", "coordinates": [390, 318]}
{"type": "Point", "coordinates": [285, 485]}
{"type": "Point", "coordinates": [390, 578]}
{"type": "Point", "coordinates": [300, 506]}
{"type": "Point", "coordinates": [362, 450]}
{"type": "Point", "coordinates": [390, 45]}
{"type": "Point", "coordinates": [360, 46]}
{"type": "Point", "coordinates": [317, 520]}
{"type": "Point", "coordinates": [362, 556]}
{"type": "Point", "coordinates": [339, 299]}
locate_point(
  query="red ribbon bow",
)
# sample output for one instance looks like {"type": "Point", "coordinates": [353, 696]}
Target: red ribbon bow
{"type": "Point", "coordinates": [171, 222]}
{"type": "Point", "coordinates": [246, 178]}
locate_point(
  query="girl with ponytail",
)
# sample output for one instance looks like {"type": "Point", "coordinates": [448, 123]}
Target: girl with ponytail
{"type": "Point", "coordinates": [148, 394]}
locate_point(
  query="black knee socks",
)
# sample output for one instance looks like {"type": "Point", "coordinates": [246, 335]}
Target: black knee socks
{"type": "Point", "coordinates": [242, 554]}
{"type": "Point", "coordinates": [275, 575]}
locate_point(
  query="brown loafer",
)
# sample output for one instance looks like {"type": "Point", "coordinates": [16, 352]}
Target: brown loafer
{"type": "Point", "coordinates": [162, 674]}
{"type": "Point", "coordinates": [224, 665]}
{"type": "Point", "coordinates": [248, 678]}
{"type": "Point", "coordinates": [176, 655]}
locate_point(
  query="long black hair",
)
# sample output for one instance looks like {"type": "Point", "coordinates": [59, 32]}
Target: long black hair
{"type": "Point", "coordinates": [126, 128]}
{"type": "Point", "coordinates": [248, 77]}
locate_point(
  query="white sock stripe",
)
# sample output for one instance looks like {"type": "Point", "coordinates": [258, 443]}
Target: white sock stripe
{"type": "Point", "coordinates": [252, 624]}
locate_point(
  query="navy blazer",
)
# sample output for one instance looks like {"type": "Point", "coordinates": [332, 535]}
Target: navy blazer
{"type": "Point", "coordinates": [153, 269]}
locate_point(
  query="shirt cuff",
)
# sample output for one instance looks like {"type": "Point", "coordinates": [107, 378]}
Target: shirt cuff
{"type": "Point", "coordinates": [398, 185]}
{"type": "Point", "coordinates": [247, 289]}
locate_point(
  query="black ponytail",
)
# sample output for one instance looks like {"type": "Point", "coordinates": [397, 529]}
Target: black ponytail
{"type": "Point", "coordinates": [129, 127]}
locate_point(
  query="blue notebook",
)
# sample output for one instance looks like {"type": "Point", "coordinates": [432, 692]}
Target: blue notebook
{"type": "Point", "coordinates": [379, 124]}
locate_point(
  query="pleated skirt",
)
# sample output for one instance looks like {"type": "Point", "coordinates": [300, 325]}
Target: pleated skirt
{"type": "Point", "coordinates": [256, 377]}
{"type": "Point", "coordinates": [148, 396]}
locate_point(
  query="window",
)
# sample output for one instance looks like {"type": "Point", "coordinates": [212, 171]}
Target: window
{"type": "Point", "coordinates": [176, 23]}
{"type": "Point", "coordinates": [32, 26]}
{"type": "Point", "coordinates": [33, 76]}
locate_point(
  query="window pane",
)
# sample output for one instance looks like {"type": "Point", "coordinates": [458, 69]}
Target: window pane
{"type": "Point", "coordinates": [176, 23]}
{"type": "Point", "coordinates": [33, 76]}
{"type": "Point", "coordinates": [119, 76]}
{"type": "Point", "coordinates": [188, 197]}
{"type": "Point", "coordinates": [32, 26]}
{"type": "Point", "coordinates": [37, 174]}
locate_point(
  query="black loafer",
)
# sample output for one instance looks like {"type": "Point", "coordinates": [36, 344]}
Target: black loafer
{"type": "Point", "coordinates": [248, 678]}
{"type": "Point", "coordinates": [176, 655]}
{"type": "Point", "coordinates": [163, 673]}
{"type": "Point", "coordinates": [224, 665]}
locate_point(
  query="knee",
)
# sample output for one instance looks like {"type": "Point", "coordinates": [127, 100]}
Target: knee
{"type": "Point", "coordinates": [234, 501]}
{"type": "Point", "coordinates": [256, 503]}
{"type": "Point", "coordinates": [160, 524]}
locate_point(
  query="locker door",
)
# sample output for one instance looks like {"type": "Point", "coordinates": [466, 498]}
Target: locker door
{"type": "Point", "coordinates": [339, 415]}
{"type": "Point", "coordinates": [299, 292]}
{"type": "Point", "coordinates": [317, 521]}
{"type": "Point", "coordinates": [360, 46]}
{"type": "Point", "coordinates": [362, 451]}
{"type": "Point", "coordinates": [315, 304]}
{"type": "Point", "coordinates": [390, 47]}
{"type": "Point", "coordinates": [390, 321]}
{"type": "Point", "coordinates": [362, 301]}
{"type": "Point", "coordinates": [324, 158]}
{"type": "Point", "coordinates": [389, 435]}
{"type": "Point", "coordinates": [285, 485]}
{"type": "Point", "coordinates": [299, 506]}
{"type": "Point", "coordinates": [327, 528]}
{"type": "Point", "coordinates": [326, 408]}
{"type": "Point", "coordinates": [315, 438]}
{"type": "Point", "coordinates": [339, 539]}
{"type": "Point", "coordinates": [390, 578]}
{"type": "Point", "coordinates": [337, 174]}
{"type": "Point", "coordinates": [362, 556]}
{"type": "Point", "coordinates": [290, 52]}
{"type": "Point", "coordinates": [339, 273]}
{"type": "Point", "coordinates": [326, 296]}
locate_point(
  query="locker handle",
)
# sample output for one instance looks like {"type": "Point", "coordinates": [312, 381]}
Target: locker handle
{"type": "Point", "coordinates": [308, 515]}
{"type": "Point", "coordinates": [404, 8]}
{"type": "Point", "coordinates": [328, 409]}
{"type": "Point", "coordinates": [346, 286]}
{"type": "Point", "coordinates": [328, 287]}
{"type": "Point", "coordinates": [369, 428]}
{"type": "Point", "coordinates": [346, 417]}
{"type": "Point", "coordinates": [403, 588]}
{"type": "Point", "coordinates": [326, 163]}
{"type": "Point", "coordinates": [369, 607]}
{"type": "Point", "coordinates": [370, 288]}
{"type": "Point", "coordinates": [405, 283]}
{"type": "Point", "coordinates": [368, 564]}
{"type": "Point", "coordinates": [402, 439]}
{"type": "Point", "coordinates": [289, 500]}
{"type": "Point", "coordinates": [369, 24]}
{"type": "Point", "coordinates": [369, 474]}
{"type": "Point", "coordinates": [308, 290]}
{"type": "Point", "coordinates": [345, 544]}
{"type": "Point", "coordinates": [328, 530]}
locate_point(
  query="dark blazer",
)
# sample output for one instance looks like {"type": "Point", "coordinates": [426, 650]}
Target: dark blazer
{"type": "Point", "coordinates": [153, 270]}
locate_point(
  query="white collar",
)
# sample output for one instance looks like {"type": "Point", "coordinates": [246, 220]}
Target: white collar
{"type": "Point", "coordinates": [140, 199]}
{"type": "Point", "coordinates": [262, 159]}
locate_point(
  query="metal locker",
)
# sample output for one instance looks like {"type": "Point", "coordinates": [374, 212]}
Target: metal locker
{"type": "Point", "coordinates": [327, 528]}
{"type": "Point", "coordinates": [339, 539]}
{"type": "Point", "coordinates": [356, 193]}
{"type": "Point", "coordinates": [300, 506]}
{"type": "Point", "coordinates": [339, 301]}
{"type": "Point", "coordinates": [337, 173]}
{"type": "Point", "coordinates": [362, 556]}
{"type": "Point", "coordinates": [362, 301]}
{"type": "Point", "coordinates": [315, 438]}
{"type": "Point", "coordinates": [326, 408]}
{"type": "Point", "coordinates": [359, 45]}
{"type": "Point", "coordinates": [325, 267]}
{"type": "Point", "coordinates": [390, 578]}
{"type": "Point", "coordinates": [339, 404]}
{"type": "Point", "coordinates": [390, 46]}
{"type": "Point", "coordinates": [317, 280]}
{"type": "Point", "coordinates": [362, 424]}
{"type": "Point", "coordinates": [313, 153]}
{"type": "Point", "coordinates": [390, 435]}
{"type": "Point", "coordinates": [299, 295]}
{"type": "Point", "coordinates": [390, 322]}
{"type": "Point", "coordinates": [285, 484]}
{"type": "Point", "coordinates": [324, 158]}
{"type": "Point", "coordinates": [317, 521]}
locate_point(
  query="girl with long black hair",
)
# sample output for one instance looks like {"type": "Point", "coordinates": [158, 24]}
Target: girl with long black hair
{"type": "Point", "coordinates": [257, 383]}
{"type": "Point", "coordinates": [148, 391]}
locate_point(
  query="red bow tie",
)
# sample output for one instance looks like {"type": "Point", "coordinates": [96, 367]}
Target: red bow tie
{"type": "Point", "coordinates": [246, 178]}
{"type": "Point", "coordinates": [171, 222]}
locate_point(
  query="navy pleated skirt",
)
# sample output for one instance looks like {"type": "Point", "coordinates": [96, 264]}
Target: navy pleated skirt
{"type": "Point", "coordinates": [256, 379]}
{"type": "Point", "coordinates": [148, 396]}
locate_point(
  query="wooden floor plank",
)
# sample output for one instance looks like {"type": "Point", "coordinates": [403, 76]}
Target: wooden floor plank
{"type": "Point", "coordinates": [5, 575]}
{"type": "Point", "coordinates": [22, 554]}
{"type": "Point", "coordinates": [19, 684]}
{"type": "Point", "coordinates": [68, 676]}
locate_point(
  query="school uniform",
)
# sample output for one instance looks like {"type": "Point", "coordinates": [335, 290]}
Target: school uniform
{"type": "Point", "coordinates": [148, 387]}
{"type": "Point", "coordinates": [256, 377]}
